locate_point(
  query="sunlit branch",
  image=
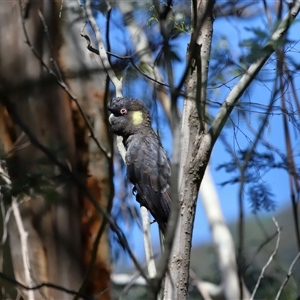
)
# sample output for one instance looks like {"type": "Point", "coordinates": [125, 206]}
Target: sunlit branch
{"type": "Point", "coordinates": [252, 71]}
{"type": "Point", "coordinates": [102, 52]}
{"type": "Point", "coordinates": [192, 48]}
{"type": "Point", "coordinates": [222, 239]}
{"type": "Point", "coordinates": [144, 55]}
{"type": "Point", "coordinates": [128, 57]}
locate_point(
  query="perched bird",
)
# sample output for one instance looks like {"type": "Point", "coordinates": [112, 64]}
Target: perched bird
{"type": "Point", "coordinates": [148, 166]}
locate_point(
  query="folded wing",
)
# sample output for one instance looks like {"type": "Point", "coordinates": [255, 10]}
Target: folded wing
{"type": "Point", "coordinates": [148, 168]}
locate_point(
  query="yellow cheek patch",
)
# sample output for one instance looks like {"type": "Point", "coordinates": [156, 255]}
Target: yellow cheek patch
{"type": "Point", "coordinates": [137, 117]}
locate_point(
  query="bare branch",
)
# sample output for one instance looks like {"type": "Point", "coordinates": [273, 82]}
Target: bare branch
{"type": "Point", "coordinates": [173, 219]}
{"type": "Point", "coordinates": [252, 71]}
{"type": "Point", "coordinates": [102, 52]}
{"type": "Point", "coordinates": [243, 169]}
{"type": "Point", "coordinates": [293, 183]}
{"type": "Point", "coordinates": [155, 79]}
{"type": "Point", "coordinates": [289, 274]}
{"type": "Point", "coordinates": [142, 47]}
{"type": "Point", "coordinates": [269, 261]}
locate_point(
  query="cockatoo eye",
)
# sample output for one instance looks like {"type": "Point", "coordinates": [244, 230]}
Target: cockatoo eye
{"type": "Point", "coordinates": [123, 111]}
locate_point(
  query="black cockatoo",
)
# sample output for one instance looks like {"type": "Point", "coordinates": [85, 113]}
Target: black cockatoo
{"type": "Point", "coordinates": [148, 166]}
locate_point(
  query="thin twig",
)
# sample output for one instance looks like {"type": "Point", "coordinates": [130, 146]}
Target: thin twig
{"type": "Point", "coordinates": [264, 243]}
{"type": "Point", "coordinates": [288, 275]}
{"type": "Point", "coordinates": [128, 57]}
{"type": "Point", "coordinates": [269, 261]}
{"type": "Point", "coordinates": [44, 284]}
{"type": "Point", "coordinates": [268, 14]}
{"type": "Point", "coordinates": [243, 169]}
{"type": "Point", "coordinates": [102, 52]}
{"type": "Point", "coordinates": [129, 281]}
{"type": "Point", "coordinates": [223, 114]}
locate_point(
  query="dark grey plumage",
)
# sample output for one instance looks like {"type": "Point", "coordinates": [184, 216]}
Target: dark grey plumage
{"type": "Point", "coordinates": [148, 166]}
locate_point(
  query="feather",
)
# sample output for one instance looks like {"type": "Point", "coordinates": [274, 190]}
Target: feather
{"type": "Point", "coordinates": [148, 166]}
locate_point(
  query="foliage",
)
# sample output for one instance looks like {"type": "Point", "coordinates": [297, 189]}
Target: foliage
{"type": "Point", "coordinates": [260, 197]}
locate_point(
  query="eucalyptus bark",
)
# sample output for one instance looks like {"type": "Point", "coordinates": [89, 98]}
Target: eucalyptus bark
{"type": "Point", "coordinates": [84, 74]}
{"type": "Point", "coordinates": [36, 86]}
{"type": "Point", "coordinates": [45, 109]}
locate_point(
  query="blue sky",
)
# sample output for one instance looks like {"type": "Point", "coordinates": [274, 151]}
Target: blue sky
{"type": "Point", "coordinates": [233, 30]}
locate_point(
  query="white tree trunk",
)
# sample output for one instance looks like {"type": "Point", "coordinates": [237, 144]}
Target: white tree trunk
{"type": "Point", "coordinates": [222, 239]}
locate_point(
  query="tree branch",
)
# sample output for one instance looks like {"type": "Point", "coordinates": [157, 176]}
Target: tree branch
{"type": "Point", "coordinates": [269, 261]}
{"type": "Point", "coordinates": [252, 71]}
{"type": "Point", "coordinates": [102, 52]}
{"type": "Point", "coordinates": [289, 274]}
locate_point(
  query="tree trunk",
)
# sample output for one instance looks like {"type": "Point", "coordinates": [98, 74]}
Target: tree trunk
{"type": "Point", "coordinates": [54, 224]}
{"type": "Point", "coordinates": [193, 133]}
{"type": "Point", "coordinates": [87, 80]}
